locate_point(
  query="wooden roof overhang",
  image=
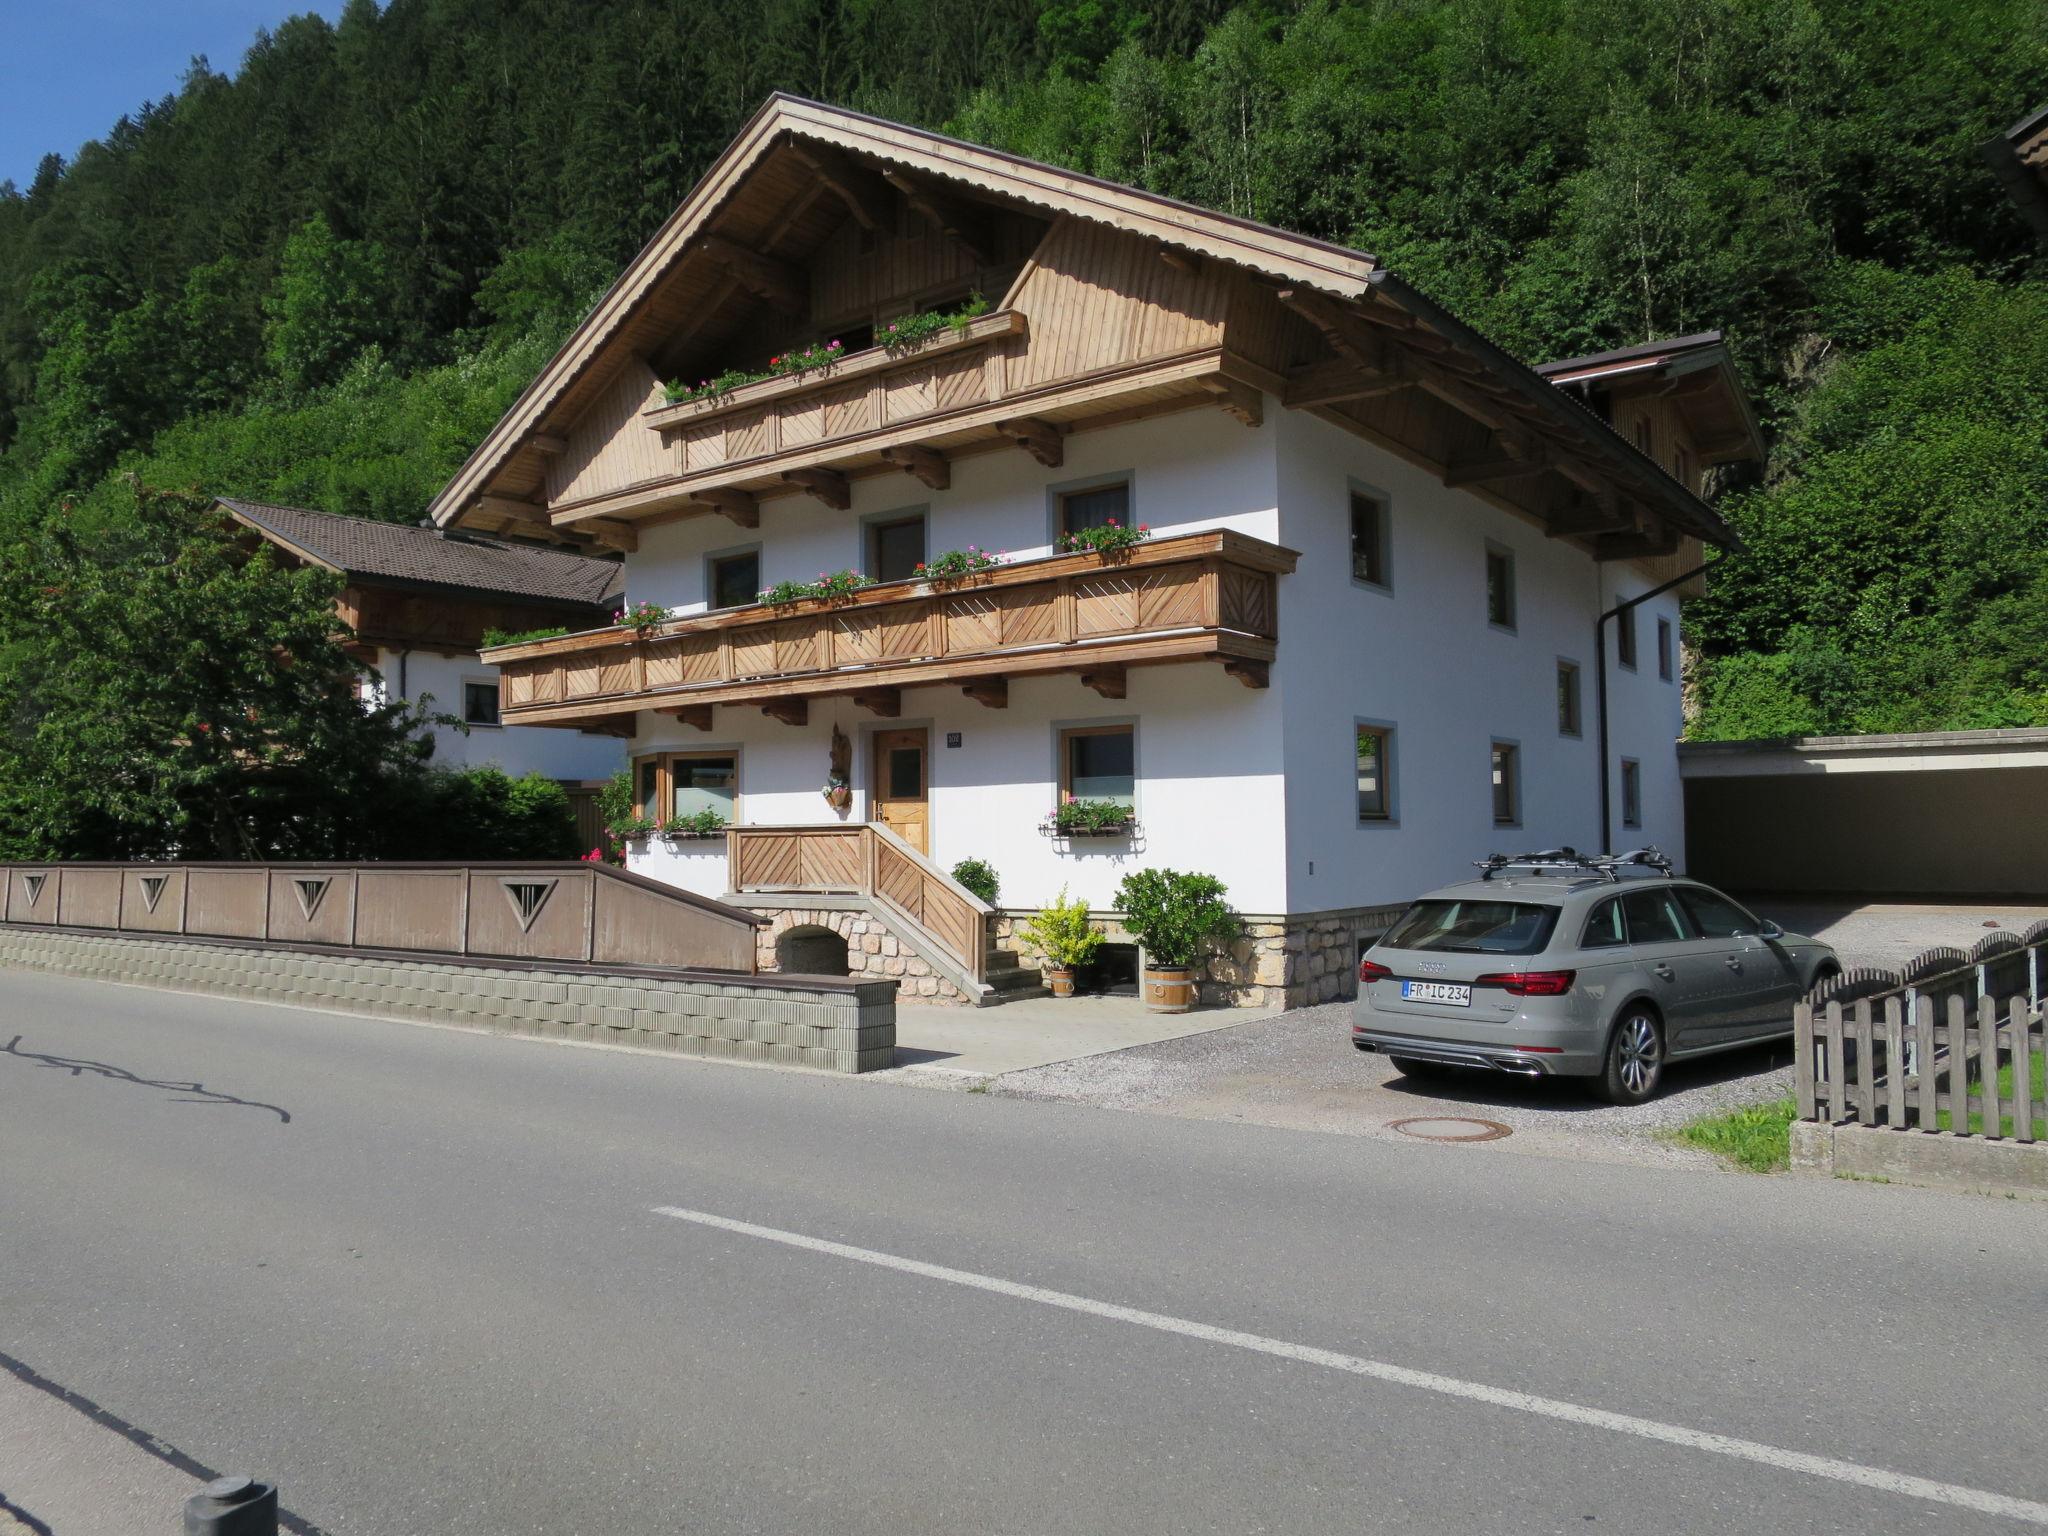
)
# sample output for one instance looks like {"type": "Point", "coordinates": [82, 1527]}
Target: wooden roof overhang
{"type": "Point", "coordinates": [1361, 350]}
{"type": "Point", "coordinates": [2019, 156]}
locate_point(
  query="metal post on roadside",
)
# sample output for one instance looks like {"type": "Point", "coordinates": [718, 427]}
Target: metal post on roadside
{"type": "Point", "coordinates": [232, 1506]}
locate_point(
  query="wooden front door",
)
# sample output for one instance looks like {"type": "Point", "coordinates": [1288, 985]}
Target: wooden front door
{"type": "Point", "coordinates": [900, 796]}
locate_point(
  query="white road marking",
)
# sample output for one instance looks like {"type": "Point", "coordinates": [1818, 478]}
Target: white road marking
{"type": "Point", "coordinates": [1954, 1494]}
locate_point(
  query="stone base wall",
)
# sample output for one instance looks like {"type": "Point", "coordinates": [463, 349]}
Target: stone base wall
{"type": "Point", "coordinates": [873, 950]}
{"type": "Point", "coordinates": [1291, 960]}
{"type": "Point", "coordinates": [849, 1026]}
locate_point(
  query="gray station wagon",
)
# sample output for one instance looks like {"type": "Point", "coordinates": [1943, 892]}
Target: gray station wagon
{"type": "Point", "coordinates": [1553, 964]}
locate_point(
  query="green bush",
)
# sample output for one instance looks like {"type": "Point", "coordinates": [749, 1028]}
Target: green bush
{"type": "Point", "coordinates": [979, 877]}
{"type": "Point", "coordinates": [1175, 914]}
{"type": "Point", "coordinates": [482, 813]}
{"type": "Point", "coordinates": [1063, 934]}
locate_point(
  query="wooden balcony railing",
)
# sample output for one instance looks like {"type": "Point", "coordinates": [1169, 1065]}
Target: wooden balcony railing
{"type": "Point", "coordinates": [862, 859]}
{"type": "Point", "coordinates": [1193, 597]}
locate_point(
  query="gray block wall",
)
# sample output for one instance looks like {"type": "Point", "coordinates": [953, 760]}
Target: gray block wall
{"type": "Point", "coordinates": [836, 1025]}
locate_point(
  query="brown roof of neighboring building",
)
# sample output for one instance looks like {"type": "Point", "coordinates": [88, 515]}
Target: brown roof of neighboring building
{"type": "Point", "coordinates": [2020, 157]}
{"type": "Point", "coordinates": [1648, 353]}
{"type": "Point", "coordinates": [1673, 358]}
{"type": "Point", "coordinates": [429, 557]}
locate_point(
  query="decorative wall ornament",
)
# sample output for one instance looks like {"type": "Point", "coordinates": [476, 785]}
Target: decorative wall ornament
{"type": "Point", "coordinates": [153, 890]}
{"type": "Point", "coordinates": [839, 778]}
{"type": "Point", "coordinates": [527, 898]}
{"type": "Point", "coordinates": [310, 891]}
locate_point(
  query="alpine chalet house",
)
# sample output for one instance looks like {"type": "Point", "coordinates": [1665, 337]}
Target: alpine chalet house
{"type": "Point", "coordinates": [1190, 543]}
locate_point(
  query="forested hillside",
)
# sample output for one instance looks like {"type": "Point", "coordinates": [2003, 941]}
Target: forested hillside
{"type": "Point", "coordinates": [321, 280]}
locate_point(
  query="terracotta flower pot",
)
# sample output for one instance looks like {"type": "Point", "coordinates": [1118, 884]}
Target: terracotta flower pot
{"type": "Point", "coordinates": [1169, 989]}
{"type": "Point", "coordinates": [1061, 980]}
{"type": "Point", "coordinates": [839, 797]}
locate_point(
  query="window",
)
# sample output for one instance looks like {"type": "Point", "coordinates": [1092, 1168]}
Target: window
{"type": "Point", "coordinates": [1625, 638]}
{"type": "Point", "coordinates": [1093, 506]}
{"type": "Point", "coordinates": [1500, 587]}
{"type": "Point", "coordinates": [1567, 697]}
{"type": "Point", "coordinates": [1099, 762]}
{"type": "Point", "coordinates": [733, 579]}
{"type": "Point", "coordinates": [1654, 917]}
{"type": "Point", "coordinates": [703, 782]}
{"type": "Point", "coordinates": [1631, 792]}
{"type": "Point", "coordinates": [1474, 927]}
{"type": "Point", "coordinates": [1681, 468]}
{"type": "Point", "coordinates": [1605, 929]}
{"type": "Point", "coordinates": [1715, 915]}
{"type": "Point", "coordinates": [1369, 540]}
{"type": "Point", "coordinates": [480, 703]}
{"type": "Point", "coordinates": [1507, 788]}
{"type": "Point", "coordinates": [647, 787]}
{"type": "Point", "coordinates": [895, 547]}
{"type": "Point", "coordinates": [1375, 772]}
{"type": "Point", "coordinates": [1664, 649]}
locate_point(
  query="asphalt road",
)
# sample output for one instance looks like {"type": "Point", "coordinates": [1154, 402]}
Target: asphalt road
{"type": "Point", "coordinates": [422, 1279]}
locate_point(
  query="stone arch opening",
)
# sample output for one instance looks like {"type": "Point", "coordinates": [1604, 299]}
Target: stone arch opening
{"type": "Point", "coordinates": [810, 950]}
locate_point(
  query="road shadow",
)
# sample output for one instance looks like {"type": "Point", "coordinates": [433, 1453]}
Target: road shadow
{"type": "Point", "coordinates": [1571, 1095]}
{"type": "Point", "coordinates": [193, 1092]}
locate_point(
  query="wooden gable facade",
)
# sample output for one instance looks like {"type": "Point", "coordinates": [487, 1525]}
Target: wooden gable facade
{"type": "Point", "coordinates": [1104, 305]}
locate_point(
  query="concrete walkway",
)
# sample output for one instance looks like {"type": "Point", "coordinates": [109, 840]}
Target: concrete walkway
{"type": "Point", "coordinates": [975, 1044]}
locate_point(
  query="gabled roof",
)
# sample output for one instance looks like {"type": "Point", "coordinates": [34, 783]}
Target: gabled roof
{"type": "Point", "coordinates": [2020, 157]}
{"type": "Point", "coordinates": [1667, 361]}
{"type": "Point", "coordinates": [402, 554]}
{"type": "Point", "coordinates": [658, 290]}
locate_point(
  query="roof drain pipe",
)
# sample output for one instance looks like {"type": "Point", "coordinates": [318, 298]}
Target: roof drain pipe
{"type": "Point", "coordinates": [1600, 685]}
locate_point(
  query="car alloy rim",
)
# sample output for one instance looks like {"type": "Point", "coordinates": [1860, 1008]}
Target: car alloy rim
{"type": "Point", "coordinates": [1638, 1054]}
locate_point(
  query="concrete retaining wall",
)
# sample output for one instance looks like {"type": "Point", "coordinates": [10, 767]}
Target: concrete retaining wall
{"type": "Point", "coordinates": [1934, 1159]}
{"type": "Point", "coordinates": [836, 1024]}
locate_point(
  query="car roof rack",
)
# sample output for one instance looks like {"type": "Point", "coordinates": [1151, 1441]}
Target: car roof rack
{"type": "Point", "coordinates": [1569, 861]}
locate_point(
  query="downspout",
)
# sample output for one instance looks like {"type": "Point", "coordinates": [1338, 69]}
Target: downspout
{"type": "Point", "coordinates": [1600, 685]}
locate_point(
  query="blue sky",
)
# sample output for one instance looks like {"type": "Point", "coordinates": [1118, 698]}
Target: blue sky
{"type": "Point", "coordinates": [70, 68]}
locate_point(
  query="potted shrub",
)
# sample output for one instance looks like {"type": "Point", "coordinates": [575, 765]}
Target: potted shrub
{"type": "Point", "coordinates": [979, 876]}
{"type": "Point", "coordinates": [1067, 939]}
{"type": "Point", "coordinates": [633, 831]}
{"type": "Point", "coordinates": [1174, 915]}
{"type": "Point", "coordinates": [1092, 818]}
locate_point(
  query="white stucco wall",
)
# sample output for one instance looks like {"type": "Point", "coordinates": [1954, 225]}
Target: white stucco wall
{"type": "Point", "coordinates": [1423, 658]}
{"type": "Point", "coordinates": [518, 749]}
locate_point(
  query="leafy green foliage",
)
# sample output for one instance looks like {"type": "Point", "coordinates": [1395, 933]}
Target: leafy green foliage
{"type": "Point", "coordinates": [494, 637]}
{"type": "Point", "coordinates": [1756, 1137]}
{"type": "Point", "coordinates": [979, 876]}
{"type": "Point", "coordinates": [707, 822]}
{"type": "Point", "coordinates": [482, 813]}
{"type": "Point", "coordinates": [1063, 934]}
{"type": "Point", "coordinates": [1175, 915]}
{"type": "Point", "coordinates": [332, 301]}
{"type": "Point", "coordinates": [1107, 538]}
{"type": "Point", "coordinates": [1091, 818]}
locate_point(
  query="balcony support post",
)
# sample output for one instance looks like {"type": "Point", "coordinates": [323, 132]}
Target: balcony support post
{"type": "Point", "coordinates": [788, 711]}
{"type": "Point", "coordinates": [886, 702]}
{"type": "Point", "coordinates": [989, 692]}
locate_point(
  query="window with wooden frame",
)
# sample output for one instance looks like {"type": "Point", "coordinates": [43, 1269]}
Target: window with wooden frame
{"type": "Point", "coordinates": [672, 784]}
{"type": "Point", "coordinates": [1567, 697]}
{"type": "Point", "coordinates": [1099, 762]}
{"type": "Point", "coordinates": [1625, 638]}
{"type": "Point", "coordinates": [1375, 755]}
{"type": "Point", "coordinates": [1370, 540]}
{"type": "Point", "coordinates": [1682, 468]}
{"type": "Point", "coordinates": [1507, 784]}
{"type": "Point", "coordinates": [1093, 506]}
{"type": "Point", "coordinates": [733, 579]}
{"type": "Point", "coordinates": [895, 546]}
{"type": "Point", "coordinates": [1664, 649]}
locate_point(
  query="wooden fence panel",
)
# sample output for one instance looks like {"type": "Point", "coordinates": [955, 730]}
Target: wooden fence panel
{"type": "Point", "coordinates": [1928, 1080]}
{"type": "Point", "coordinates": [1863, 1084]}
{"type": "Point", "coordinates": [1837, 1096]}
{"type": "Point", "coordinates": [2022, 1073]}
{"type": "Point", "coordinates": [1802, 1059]}
{"type": "Point", "coordinates": [1894, 1063]}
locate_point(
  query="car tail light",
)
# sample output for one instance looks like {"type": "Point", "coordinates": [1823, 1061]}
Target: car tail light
{"type": "Point", "coordinates": [1529, 983]}
{"type": "Point", "coordinates": [1372, 970]}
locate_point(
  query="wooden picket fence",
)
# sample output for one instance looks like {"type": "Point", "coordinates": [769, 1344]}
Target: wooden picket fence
{"type": "Point", "coordinates": [1951, 1043]}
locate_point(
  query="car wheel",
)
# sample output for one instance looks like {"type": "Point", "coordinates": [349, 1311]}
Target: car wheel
{"type": "Point", "coordinates": [1409, 1066]}
{"type": "Point", "coordinates": [1635, 1058]}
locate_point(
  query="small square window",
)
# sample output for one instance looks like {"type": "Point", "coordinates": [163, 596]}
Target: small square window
{"type": "Point", "coordinates": [1664, 649]}
{"type": "Point", "coordinates": [1507, 785]}
{"type": "Point", "coordinates": [1631, 792]}
{"type": "Point", "coordinates": [480, 703]}
{"type": "Point", "coordinates": [1369, 539]}
{"type": "Point", "coordinates": [1095, 506]}
{"type": "Point", "coordinates": [1500, 587]}
{"type": "Point", "coordinates": [1099, 762]}
{"type": "Point", "coordinates": [1567, 698]}
{"type": "Point", "coordinates": [1375, 773]}
{"type": "Point", "coordinates": [733, 580]}
{"type": "Point", "coordinates": [1625, 638]}
{"type": "Point", "coordinates": [895, 547]}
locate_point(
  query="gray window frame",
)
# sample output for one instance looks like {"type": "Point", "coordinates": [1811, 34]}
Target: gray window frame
{"type": "Point", "coordinates": [497, 723]}
{"type": "Point", "coordinates": [1353, 491]}
{"type": "Point", "coordinates": [873, 520]}
{"type": "Point", "coordinates": [1577, 730]}
{"type": "Point", "coordinates": [1666, 646]}
{"type": "Point", "coordinates": [1512, 624]}
{"type": "Point", "coordinates": [1389, 771]}
{"type": "Point", "coordinates": [1055, 499]}
{"type": "Point", "coordinates": [1514, 780]}
{"type": "Point", "coordinates": [712, 558]}
{"type": "Point", "coordinates": [1632, 789]}
{"type": "Point", "coordinates": [1625, 656]}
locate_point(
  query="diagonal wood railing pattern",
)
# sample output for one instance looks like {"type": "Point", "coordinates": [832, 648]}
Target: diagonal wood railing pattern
{"type": "Point", "coordinates": [862, 859]}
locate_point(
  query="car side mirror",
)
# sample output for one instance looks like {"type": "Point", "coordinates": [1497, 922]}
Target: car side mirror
{"type": "Point", "coordinates": [1770, 930]}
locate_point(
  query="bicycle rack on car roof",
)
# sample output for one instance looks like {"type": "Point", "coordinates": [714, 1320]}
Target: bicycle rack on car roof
{"type": "Point", "coordinates": [1646, 862]}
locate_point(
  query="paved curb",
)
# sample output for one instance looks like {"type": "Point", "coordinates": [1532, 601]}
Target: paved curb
{"type": "Point", "coordinates": [1933, 1159]}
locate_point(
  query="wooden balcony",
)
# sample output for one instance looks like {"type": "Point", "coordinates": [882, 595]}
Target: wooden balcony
{"type": "Point", "coordinates": [1193, 597]}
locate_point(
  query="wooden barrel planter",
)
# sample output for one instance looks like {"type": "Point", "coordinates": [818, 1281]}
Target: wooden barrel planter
{"type": "Point", "coordinates": [1169, 991]}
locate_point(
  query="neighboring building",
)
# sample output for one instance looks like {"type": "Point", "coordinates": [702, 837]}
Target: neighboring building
{"type": "Point", "coordinates": [1355, 654]}
{"type": "Point", "coordinates": [419, 601]}
{"type": "Point", "coordinates": [2020, 157]}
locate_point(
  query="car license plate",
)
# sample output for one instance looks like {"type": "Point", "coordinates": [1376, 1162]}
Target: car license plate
{"type": "Point", "coordinates": [1453, 994]}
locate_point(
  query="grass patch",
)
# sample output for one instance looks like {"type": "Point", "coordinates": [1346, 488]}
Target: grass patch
{"type": "Point", "coordinates": [1757, 1137]}
{"type": "Point", "coordinates": [1945, 1119]}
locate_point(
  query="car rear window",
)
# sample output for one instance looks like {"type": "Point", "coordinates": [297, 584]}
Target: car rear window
{"type": "Point", "coordinates": [1474, 927]}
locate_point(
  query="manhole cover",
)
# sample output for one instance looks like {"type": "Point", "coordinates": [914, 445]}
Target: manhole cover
{"type": "Point", "coordinates": [1449, 1128]}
